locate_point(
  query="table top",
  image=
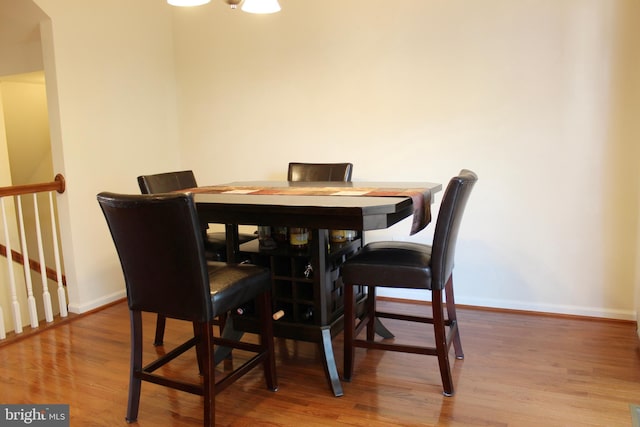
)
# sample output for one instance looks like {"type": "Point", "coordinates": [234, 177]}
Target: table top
{"type": "Point", "coordinates": [316, 205]}
{"type": "Point", "coordinates": [325, 188]}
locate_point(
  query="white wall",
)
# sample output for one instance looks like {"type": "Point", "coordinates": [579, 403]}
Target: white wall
{"type": "Point", "coordinates": [111, 91]}
{"type": "Point", "coordinates": [528, 94]}
{"type": "Point", "coordinates": [532, 95]}
{"type": "Point", "coordinates": [19, 37]}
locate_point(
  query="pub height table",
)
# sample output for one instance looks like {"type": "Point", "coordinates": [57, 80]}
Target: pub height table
{"type": "Point", "coordinates": [307, 289]}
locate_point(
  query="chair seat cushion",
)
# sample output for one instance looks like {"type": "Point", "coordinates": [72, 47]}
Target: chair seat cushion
{"type": "Point", "coordinates": [390, 264]}
{"type": "Point", "coordinates": [235, 284]}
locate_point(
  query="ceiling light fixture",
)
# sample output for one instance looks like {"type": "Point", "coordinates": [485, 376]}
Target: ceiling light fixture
{"type": "Point", "coordinates": [250, 6]}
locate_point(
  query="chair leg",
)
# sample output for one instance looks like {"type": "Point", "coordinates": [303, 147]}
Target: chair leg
{"type": "Point", "coordinates": [135, 368]}
{"type": "Point", "coordinates": [160, 324]}
{"type": "Point", "coordinates": [204, 351]}
{"type": "Point", "coordinates": [349, 327]}
{"type": "Point", "coordinates": [222, 320]}
{"type": "Point", "coordinates": [370, 305]}
{"type": "Point", "coordinates": [451, 313]}
{"type": "Point", "coordinates": [266, 340]}
{"type": "Point", "coordinates": [442, 349]}
{"type": "Point", "coordinates": [207, 368]}
{"type": "Point", "coordinates": [201, 350]}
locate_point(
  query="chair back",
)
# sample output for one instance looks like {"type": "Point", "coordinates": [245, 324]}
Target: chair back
{"type": "Point", "coordinates": [320, 172]}
{"type": "Point", "coordinates": [158, 240]}
{"type": "Point", "coordinates": [167, 182]}
{"type": "Point", "coordinates": [447, 226]}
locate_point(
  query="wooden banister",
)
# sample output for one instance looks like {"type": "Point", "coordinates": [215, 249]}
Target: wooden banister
{"type": "Point", "coordinates": [18, 192]}
{"type": "Point", "coordinates": [58, 185]}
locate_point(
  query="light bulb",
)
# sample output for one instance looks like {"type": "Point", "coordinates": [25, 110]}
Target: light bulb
{"type": "Point", "coordinates": [261, 6]}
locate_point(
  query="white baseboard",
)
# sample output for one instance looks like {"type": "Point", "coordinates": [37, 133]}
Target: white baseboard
{"type": "Point", "coordinates": [422, 296]}
{"type": "Point", "coordinates": [600, 312]}
{"type": "Point", "coordinates": [83, 308]}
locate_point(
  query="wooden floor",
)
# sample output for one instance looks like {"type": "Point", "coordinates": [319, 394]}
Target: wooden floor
{"type": "Point", "coordinates": [519, 370]}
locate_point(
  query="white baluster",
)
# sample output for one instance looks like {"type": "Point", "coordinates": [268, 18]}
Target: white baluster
{"type": "Point", "coordinates": [15, 304]}
{"type": "Point", "coordinates": [62, 296]}
{"type": "Point", "coordinates": [46, 296]}
{"type": "Point", "coordinates": [31, 300]}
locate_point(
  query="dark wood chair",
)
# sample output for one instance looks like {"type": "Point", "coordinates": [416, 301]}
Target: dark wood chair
{"type": "Point", "coordinates": [158, 240]}
{"type": "Point", "coordinates": [215, 243]}
{"type": "Point", "coordinates": [413, 266]}
{"type": "Point", "coordinates": [319, 171]}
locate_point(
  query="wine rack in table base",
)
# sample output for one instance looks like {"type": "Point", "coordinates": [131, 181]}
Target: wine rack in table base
{"type": "Point", "coordinates": [308, 289]}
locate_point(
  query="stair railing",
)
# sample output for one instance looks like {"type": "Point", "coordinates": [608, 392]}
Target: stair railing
{"type": "Point", "coordinates": [46, 273]}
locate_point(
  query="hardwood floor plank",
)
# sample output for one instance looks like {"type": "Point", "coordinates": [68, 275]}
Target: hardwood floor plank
{"type": "Point", "coordinates": [519, 370]}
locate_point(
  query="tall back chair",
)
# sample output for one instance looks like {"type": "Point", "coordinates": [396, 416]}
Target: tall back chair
{"type": "Point", "coordinates": [319, 171]}
{"type": "Point", "coordinates": [162, 256]}
{"type": "Point", "coordinates": [167, 182]}
{"type": "Point", "coordinates": [415, 266]}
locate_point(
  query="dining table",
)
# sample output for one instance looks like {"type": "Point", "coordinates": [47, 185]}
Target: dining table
{"type": "Point", "coordinates": [310, 305]}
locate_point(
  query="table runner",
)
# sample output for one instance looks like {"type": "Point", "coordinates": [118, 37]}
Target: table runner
{"type": "Point", "coordinates": [420, 197]}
